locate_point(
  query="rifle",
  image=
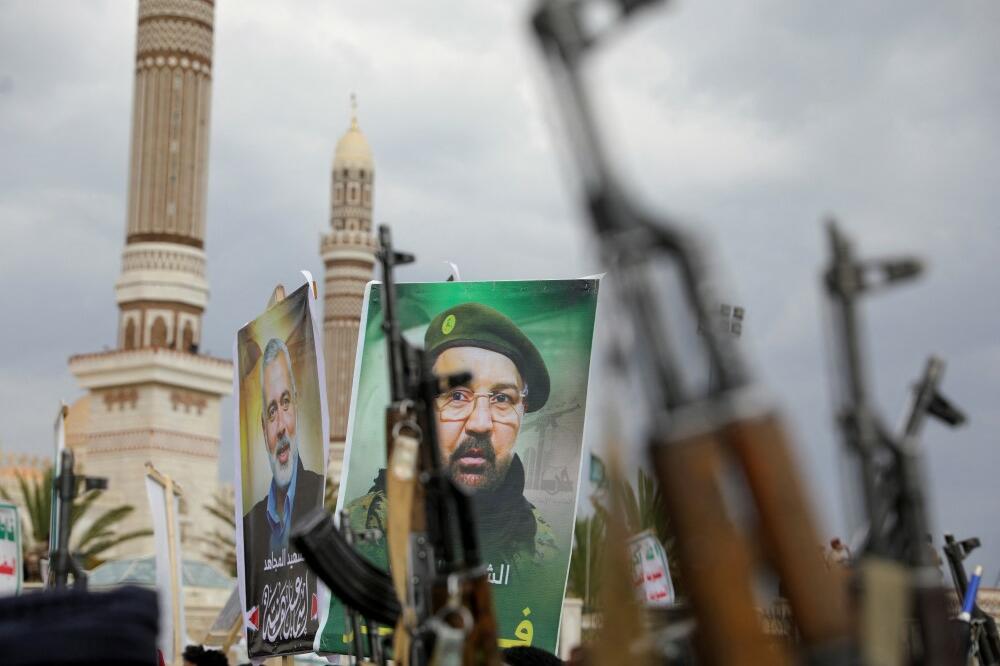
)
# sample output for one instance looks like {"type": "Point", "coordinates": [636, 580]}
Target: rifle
{"type": "Point", "coordinates": [699, 427]}
{"type": "Point", "coordinates": [433, 546]}
{"type": "Point", "coordinates": [66, 485]}
{"type": "Point", "coordinates": [987, 639]}
{"type": "Point", "coordinates": [896, 559]}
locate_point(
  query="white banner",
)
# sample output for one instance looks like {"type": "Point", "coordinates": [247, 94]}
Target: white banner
{"type": "Point", "coordinates": [10, 550]}
{"type": "Point", "coordinates": [169, 576]}
{"type": "Point", "coordinates": [651, 571]}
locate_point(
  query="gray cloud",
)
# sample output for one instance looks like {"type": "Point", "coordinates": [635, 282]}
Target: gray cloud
{"type": "Point", "coordinates": [753, 120]}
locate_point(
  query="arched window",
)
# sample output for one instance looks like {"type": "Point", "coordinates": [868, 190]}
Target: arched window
{"type": "Point", "coordinates": [187, 339]}
{"type": "Point", "coordinates": [129, 341]}
{"type": "Point", "coordinates": [158, 335]}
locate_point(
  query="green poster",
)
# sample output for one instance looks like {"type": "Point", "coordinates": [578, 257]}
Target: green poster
{"type": "Point", "coordinates": [513, 437]}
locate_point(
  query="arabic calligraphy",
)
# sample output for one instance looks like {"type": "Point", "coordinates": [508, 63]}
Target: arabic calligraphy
{"type": "Point", "coordinates": [524, 632]}
{"type": "Point", "coordinates": [284, 608]}
{"type": "Point", "coordinates": [283, 560]}
{"type": "Point", "coordinates": [499, 577]}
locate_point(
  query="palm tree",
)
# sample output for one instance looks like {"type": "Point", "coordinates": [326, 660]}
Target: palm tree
{"type": "Point", "coordinates": [221, 543]}
{"type": "Point", "coordinates": [642, 505]}
{"type": "Point", "coordinates": [586, 561]}
{"type": "Point", "coordinates": [99, 535]}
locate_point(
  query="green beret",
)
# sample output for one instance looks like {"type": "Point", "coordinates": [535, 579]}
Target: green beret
{"type": "Point", "coordinates": [478, 325]}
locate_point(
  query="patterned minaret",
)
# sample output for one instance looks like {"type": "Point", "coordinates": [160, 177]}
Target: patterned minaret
{"type": "Point", "coordinates": [155, 398]}
{"type": "Point", "coordinates": [348, 253]}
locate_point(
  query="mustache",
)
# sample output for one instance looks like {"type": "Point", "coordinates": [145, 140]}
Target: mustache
{"type": "Point", "coordinates": [481, 442]}
{"type": "Point", "coordinates": [284, 443]}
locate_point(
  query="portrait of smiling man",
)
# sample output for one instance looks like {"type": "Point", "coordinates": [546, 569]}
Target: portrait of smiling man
{"type": "Point", "coordinates": [281, 456]}
{"type": "Point", "coordinates": [293, 490]}
{"type": "Point", "coordinates": [478, 426]}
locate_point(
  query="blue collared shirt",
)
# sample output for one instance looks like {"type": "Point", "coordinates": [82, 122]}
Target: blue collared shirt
{"type": "Point", "coordinates": [280, 526]}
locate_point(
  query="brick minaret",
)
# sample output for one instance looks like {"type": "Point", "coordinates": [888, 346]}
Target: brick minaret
{"type": "Point", "coordinates": [156, 397]}
{"type": "Point", "coordinates": [348, 252]}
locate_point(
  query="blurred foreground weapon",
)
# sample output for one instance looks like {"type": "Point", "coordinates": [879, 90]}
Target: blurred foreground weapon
{"type": "Point", "coordinates": [67, 485]}
{"type": "Point", "coordinates": [433, 546]}
{"type": "Point", "coordinates": [985, 637]}
{"type": "Point", "coordinates": [898, 575]}
{"type": "Point", "coordinates": [699, 428]}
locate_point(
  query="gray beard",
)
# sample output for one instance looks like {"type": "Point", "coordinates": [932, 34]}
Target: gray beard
{"type": "Point", "coordinates": [282, 474]}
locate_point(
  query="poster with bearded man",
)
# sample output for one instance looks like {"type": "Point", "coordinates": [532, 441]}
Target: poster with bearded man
{"type": "Point", "coordinates": [511, 437]}
{"type": "Point", "coordinates": [281, 464]}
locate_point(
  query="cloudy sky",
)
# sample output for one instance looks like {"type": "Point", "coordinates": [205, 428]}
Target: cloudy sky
{"type": "Point", "coordinates": [751, 120]}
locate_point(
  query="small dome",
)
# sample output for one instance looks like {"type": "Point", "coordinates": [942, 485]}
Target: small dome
{"type": "Point", "coordinates": [352, 149]}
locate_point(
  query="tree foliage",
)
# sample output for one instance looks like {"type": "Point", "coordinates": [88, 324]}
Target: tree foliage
{"type": "Point", "coordinates": [220, 544]}
{"type": "Point", "coordinates": [90, 539]}
{"type": "Point", "coordinates": [643, 508]}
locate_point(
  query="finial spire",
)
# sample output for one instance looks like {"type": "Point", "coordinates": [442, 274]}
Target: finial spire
{"type": "Point", "coordinates": [354, 111]}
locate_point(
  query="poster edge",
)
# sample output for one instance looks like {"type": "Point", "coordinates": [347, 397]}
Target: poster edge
{"type": "Point", "coordinates": [587, 417]}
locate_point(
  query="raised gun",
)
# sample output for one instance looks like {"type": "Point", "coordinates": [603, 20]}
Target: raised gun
{"type": "Point", "coordinates": [433, 545]}
{"type": "Point", "coordinates": [67, 485]}
{"type": "Point", "coordinates": [896, 558]}
{"type": "Point", "coordinates": [700, 427]}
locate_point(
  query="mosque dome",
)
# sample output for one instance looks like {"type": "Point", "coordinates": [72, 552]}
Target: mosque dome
{"type": "Point", "coordinates": [352, 149]}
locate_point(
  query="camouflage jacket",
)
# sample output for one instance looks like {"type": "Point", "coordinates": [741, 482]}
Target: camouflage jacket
{"type": "Point", "coordinates": [510, 528]}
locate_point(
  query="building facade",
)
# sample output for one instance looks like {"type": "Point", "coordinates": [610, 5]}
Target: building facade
{"type": "Point", "coordinates": [348, 252]}
{"type": "Point", "coordinates": [155, 397]}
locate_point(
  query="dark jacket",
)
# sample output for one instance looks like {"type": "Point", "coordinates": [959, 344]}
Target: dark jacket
{"type": "Point", "coordinates": [510, 528]}
{"type": "Point", "coordinates": [282, 593]}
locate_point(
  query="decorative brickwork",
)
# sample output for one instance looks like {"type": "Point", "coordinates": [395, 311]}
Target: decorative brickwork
{"type": "Point", "coordinates": [196, 10]}
{"type": "Point", "coordinates": [175, 36]}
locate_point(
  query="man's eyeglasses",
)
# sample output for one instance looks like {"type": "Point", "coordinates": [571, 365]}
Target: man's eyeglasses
{"type": "Point", "coordinates": [457, 404]}
{"type": "Point", "coordinates": [283, 404]}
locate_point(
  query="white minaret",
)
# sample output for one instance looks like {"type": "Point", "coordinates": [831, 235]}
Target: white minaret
{"type": "Point", "coordinates": [155, 398]}
{"type": "Point", "coordinates": [348, 252]}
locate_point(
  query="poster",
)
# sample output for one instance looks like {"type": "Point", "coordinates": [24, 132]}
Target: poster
{"type": "Point", "coordinates": [513, 437]}
{"type": "Point", "coordinates": [650, 571]}
{"type": "Point", "coordinates": [10, 550]}
{"type": "Point", "coordinates": [281, 470]}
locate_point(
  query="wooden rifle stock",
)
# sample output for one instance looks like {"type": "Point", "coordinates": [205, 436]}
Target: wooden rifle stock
{"type": "Point", "coordinates": [714, 559]}
{"type": "Point", "coordinates": [817, 596]}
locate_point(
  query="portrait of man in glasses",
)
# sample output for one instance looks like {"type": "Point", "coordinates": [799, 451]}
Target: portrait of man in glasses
{"type": "Point", "coordinates": [293, 490]}
{"type": "Point", "coordinates": [478, 425]}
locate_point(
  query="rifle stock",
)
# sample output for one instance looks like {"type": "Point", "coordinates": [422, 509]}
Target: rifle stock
{"type": "Point", "coordinates": [817, 596]}
{"type": "Point", "coordinates": [714, 558]}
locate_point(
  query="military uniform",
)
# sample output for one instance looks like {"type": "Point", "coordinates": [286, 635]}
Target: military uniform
{"type": "Point", "coordinates": [511, 530]}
